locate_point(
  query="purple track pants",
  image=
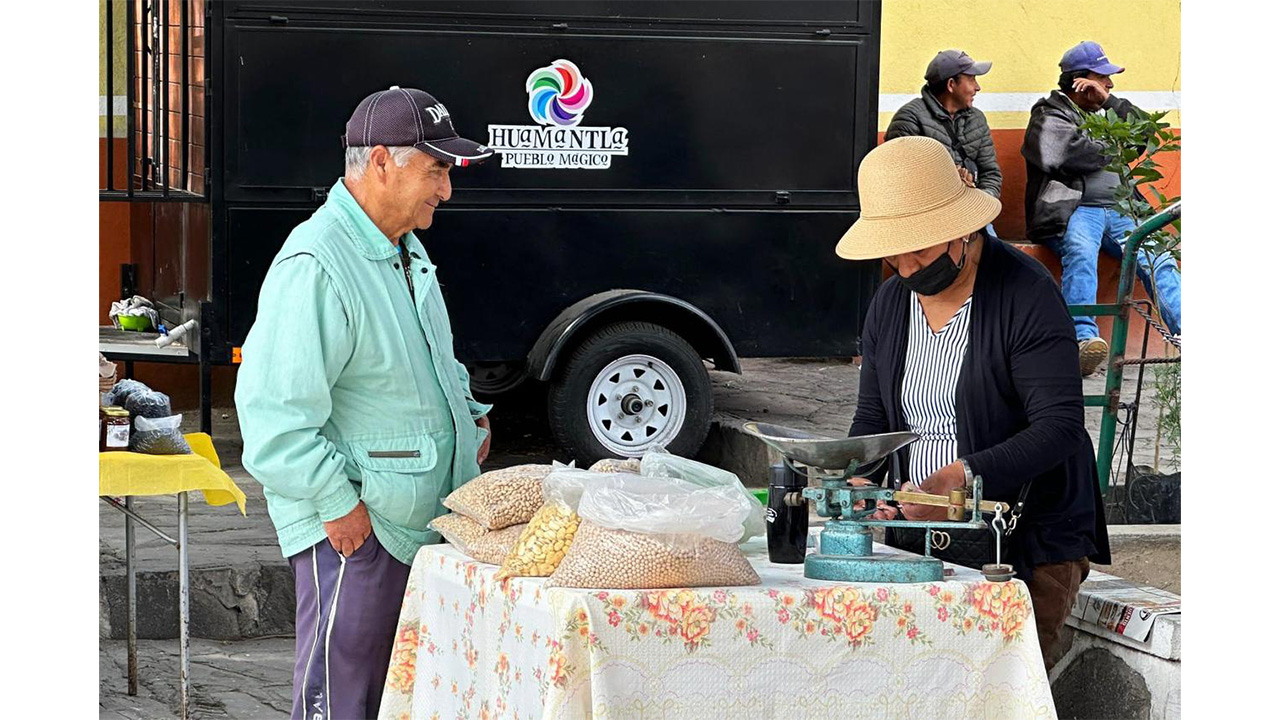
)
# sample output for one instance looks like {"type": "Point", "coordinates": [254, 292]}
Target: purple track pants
{"type": "Point", "coordinates": [346, 624]}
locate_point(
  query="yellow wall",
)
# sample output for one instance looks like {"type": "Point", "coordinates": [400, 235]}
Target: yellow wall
{"type": "Point", "coordinates": [118, 11]}
{"type": "Point", "coordinates": [1024, 39]}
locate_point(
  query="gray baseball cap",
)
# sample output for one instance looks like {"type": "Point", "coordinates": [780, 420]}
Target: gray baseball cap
{"type": "Point", "coordinates": [949, 63]}
{"type": "Point", "coordinates": [401, 117]}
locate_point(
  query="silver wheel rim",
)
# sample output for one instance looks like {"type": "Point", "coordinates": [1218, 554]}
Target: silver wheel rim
{"type": "Point", "coordinates": [636, 403]}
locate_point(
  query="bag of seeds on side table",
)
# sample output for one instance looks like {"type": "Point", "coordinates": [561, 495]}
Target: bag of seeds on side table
{"type": "Point", "coordinates": [477, 543]}
{"type": "Point", "coordinates": [657, 533]}
{"type": "Point", "coordinates": [501, 498]}
{"type": "Point", "coordinates": [158, 436]}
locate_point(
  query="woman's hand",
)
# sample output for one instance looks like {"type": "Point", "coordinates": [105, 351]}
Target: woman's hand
{"type": "Point", "coordinates": [882, 512]}
{"type": "Point", "coordinates": [917, 512]}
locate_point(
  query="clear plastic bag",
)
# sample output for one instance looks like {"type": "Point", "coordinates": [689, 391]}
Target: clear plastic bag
{"type": "Point", "coordinates": [470, 538]}
{"type": "Point", "coordinates": [158, 436]}
{"type": "Point", "coordinates": [148, 403]}
{"type": "Point", "coordinates": [615, 465]}
{"type": "Point", "coordinates": [662, 464]}
{"type": "Point", "coordinates": [619, 559]}
{"type": "Point", "coordinates": [501, 498]}
{"type": "Point", "coordinates": [121, 391]}
{"type": "Point", "coordinates": [665, 506]}
{"type": "Point", "coordinates": [550, 532]}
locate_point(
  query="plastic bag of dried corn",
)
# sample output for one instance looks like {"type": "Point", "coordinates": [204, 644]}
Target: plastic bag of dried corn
{"type": "Point", "coordinates": [472, 540]}
{"type": "Point", "coordinates": [551, 531]}
{"type": "Point", "coordinates": [501, 498]}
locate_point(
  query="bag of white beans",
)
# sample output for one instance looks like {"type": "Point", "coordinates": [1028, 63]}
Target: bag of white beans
{"type": "Point", "coordinates": [472, 540]}
{"type": "Point", "coordinates": [640, 532]}
{"type": "Point", "coordinates": [615, 465]}
{"type": "Point", "coordinates": [501, 498]}
{"type": "Point", "coordinates": [660, 463]}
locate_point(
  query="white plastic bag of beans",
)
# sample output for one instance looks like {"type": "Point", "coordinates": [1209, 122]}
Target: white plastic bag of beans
{"type": "Point", "coordinates": [660, 463]}
{"type": "Point", "coordinates": [620, 559]}
{"type": "Point", "coordinates": [665, 506]}
{"type": "Point", "coordinates": [641, 532]}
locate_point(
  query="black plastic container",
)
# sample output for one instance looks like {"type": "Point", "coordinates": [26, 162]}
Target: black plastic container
{"type": "Point", "coordinates": [787, 516]}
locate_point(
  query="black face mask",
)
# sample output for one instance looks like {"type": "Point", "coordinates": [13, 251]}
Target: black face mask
{"type": "Point", "coordinates": [937, 275]}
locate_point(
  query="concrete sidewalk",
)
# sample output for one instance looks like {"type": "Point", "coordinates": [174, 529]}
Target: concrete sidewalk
{"type": "Point", "coordinates": [242, 588]}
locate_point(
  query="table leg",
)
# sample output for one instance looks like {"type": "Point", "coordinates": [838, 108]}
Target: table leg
{"type": "Point", "coordinates": [184, 612]}
{"type": "Point", "coordinates": [130, 600]}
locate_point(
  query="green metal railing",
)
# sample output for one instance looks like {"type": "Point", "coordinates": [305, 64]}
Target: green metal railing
{"type": "Point", "coordinates": [1109, 401]}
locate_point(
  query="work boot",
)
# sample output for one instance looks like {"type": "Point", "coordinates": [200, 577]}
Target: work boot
{"type": "Point", "coordinates": [1093, 352]}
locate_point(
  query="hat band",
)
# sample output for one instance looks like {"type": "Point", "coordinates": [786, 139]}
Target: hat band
{"type": "Point", "coordinates": [920, 210]}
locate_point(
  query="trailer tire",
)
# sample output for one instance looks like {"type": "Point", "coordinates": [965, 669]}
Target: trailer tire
{"type": "Point", "coordinates": [664, 398]}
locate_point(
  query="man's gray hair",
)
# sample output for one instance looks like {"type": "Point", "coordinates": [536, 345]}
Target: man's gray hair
{"type": "Point", "coordinates": [358, 159]}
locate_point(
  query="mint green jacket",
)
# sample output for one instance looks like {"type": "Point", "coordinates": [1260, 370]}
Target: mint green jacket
{"type": "Point", "coordinates": [349, 390]}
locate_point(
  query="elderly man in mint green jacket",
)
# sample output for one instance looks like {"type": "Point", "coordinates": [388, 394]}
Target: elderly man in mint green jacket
{"type": "Point", "coordinates": [357, 418]}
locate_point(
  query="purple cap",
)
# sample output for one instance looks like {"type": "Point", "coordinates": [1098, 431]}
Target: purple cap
{"type": "Point", "coordinates": [404, 117]}
{"type": "Point", "coordinates": [1088, 56]}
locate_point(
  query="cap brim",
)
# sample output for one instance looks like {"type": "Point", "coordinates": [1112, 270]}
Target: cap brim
{"type": "Point", "coordinates": [456, 151]}
{"type": "Point", "coordinates": [875, 238]}
{"type": "Point", "coordinates": [1107, 69]}
{"type": "Point", "coordinates": [979, 68]}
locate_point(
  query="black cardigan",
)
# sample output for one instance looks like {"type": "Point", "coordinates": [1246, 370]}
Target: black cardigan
{"type": "Point", "coordinates": [1019, 404]}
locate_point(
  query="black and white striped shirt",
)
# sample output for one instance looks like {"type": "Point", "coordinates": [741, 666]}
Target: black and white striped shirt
{"type": "Point", "coordinates": [929, 388]}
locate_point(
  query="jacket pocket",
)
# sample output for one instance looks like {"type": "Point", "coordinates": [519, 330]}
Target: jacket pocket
{"type": "Point", "coordinates": [399, 480]}
{"type": "Point", "coordinates": [1057, 201]}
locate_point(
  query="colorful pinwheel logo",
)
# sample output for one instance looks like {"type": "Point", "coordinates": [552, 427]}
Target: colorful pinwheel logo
{"type": "Point", "coordinates": [558, 94]}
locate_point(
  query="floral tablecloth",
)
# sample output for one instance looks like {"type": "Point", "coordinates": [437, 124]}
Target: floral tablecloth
{"type": "Point", "coordinates": [472, 647]}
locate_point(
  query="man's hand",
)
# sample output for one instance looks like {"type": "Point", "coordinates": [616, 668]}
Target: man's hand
{"type": "Point", "coordinates": [483, 454]}
{"type": "Point", "coordinates": [348, 533]}
{"type": "Point", "coordinates": [966, 177]}
{"type": "Point", "coordinates": [1094, 91]}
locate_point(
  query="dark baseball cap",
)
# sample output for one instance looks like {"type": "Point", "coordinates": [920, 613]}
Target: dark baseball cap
{"type": "Point", "coordinates": [404, 117]}
{"type": "Point", "coordinates": [1089, 56]}
{"type": "Point", "coordinates": [950, 63]}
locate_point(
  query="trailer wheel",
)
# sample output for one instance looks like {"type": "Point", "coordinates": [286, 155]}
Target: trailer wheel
{"type": "Point", "coordinates": [628, 388]}
{"type": "Point", "coordinates": [490, 380]}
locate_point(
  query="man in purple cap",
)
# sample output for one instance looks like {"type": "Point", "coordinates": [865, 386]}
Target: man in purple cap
{"type": "Point", "coordinates": [1070, 196]}
{"type": "Point", "coordinates": [357, 418]}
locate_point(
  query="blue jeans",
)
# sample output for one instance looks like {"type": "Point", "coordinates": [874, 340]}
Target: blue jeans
{"type": "Point", "coordinates": [1091, 229]}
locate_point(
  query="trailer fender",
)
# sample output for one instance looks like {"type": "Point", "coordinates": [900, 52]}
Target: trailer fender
{"type": "Point", "coordinates": [681, 317]}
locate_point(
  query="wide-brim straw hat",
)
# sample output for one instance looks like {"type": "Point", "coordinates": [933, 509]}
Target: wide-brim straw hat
{"type": "Point", "coordinates": [911, 198]}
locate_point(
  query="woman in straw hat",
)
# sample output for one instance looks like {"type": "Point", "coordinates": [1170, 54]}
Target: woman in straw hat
{"type": "Point", "coordinates": [970, 346]}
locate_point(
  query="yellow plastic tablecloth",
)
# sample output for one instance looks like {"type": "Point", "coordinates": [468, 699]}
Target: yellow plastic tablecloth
{"type": "Point", "coordinates": [129, 473]}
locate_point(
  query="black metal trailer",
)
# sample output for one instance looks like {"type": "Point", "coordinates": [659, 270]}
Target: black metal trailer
{"type": "Point", "coordinates": [688, 214]}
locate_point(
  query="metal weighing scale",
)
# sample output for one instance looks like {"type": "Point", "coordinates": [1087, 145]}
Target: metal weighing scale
{"type": "Point", "coordinates": [844, 551]}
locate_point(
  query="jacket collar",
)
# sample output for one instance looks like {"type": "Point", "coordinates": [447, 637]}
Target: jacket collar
{"type": "Point", "coordinates": [1059, 99]}
{"type": "Point", "coordinates": [365, 235]}
{"type": "Point", "coordinates": [936, 108]}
